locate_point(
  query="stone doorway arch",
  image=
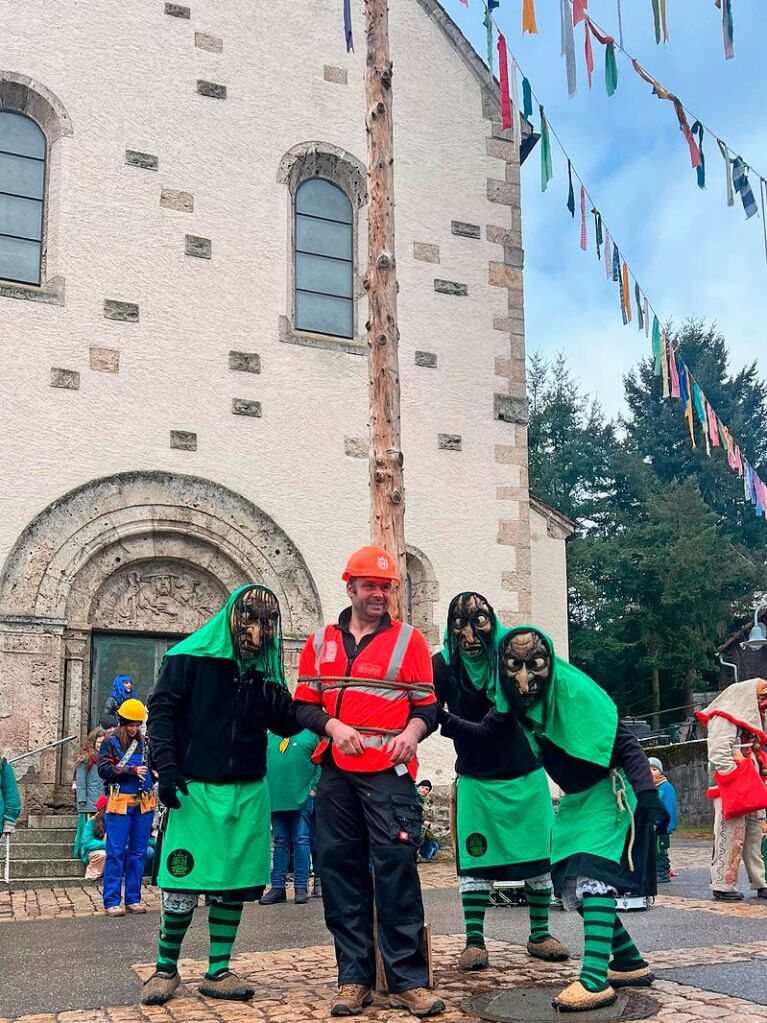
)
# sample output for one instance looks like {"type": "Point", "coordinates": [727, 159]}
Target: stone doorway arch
{"type": "Point", "coordinates": [138, 552]}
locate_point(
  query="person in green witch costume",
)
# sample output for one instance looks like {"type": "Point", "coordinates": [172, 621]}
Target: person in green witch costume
{"type": "Point", "coordinates": [502, 808]}
{"type": "Point", "coordinates": [217, 693]}
{"type": "Point", "coordinates": [604, 832]}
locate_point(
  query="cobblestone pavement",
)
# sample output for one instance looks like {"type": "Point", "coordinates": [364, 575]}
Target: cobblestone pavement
{"type": "Point", "coordinates": [297, 984]}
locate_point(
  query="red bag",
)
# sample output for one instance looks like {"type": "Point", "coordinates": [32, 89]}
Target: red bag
{"type": "Point", "coordinates": [742, 791]}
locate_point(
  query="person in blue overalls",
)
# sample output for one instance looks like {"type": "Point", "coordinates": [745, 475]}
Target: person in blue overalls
{"type": "Point", "coordinates": [130, 810]}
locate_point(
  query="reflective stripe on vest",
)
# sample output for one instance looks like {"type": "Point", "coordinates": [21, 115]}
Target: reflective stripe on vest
{"type": "Point", "coordinates": [319, 642]}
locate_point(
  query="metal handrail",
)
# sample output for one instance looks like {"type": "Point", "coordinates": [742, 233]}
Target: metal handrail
{"type": "Point", "coordinates": [41, 749]}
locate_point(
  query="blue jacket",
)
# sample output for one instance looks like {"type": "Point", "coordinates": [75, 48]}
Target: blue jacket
{"type": "Point", "coordinates": [110, 755]}
{"type": "Point", "coordinates": [89, 787]}
{"type": "Point", "coordinates": [667, 794]}
{"type": "Point", "coordinates": [10, 801]}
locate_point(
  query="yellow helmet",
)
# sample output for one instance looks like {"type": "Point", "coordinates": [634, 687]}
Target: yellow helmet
{"type": "Point", "coordinates": [132, 710]}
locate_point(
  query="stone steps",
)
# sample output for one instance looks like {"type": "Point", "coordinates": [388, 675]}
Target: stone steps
{"type": "Point", "coordinates": [42, 836]}
{"type": "Point", "coordinates": [64, 869]}
{"type": "Point", "coordinates": [41, 853]}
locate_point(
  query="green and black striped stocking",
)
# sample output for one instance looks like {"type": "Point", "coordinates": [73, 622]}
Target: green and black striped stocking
{"type": "Point", "coordinates": [599, 916]}
{"type": "Point", "coordinates": [173, 927]}
{"type": "Point", "coordinates": [223, 921]}
{"type": "Point", "coordinates": [474, 908]}
{"type": "Point", "coordinates": [538, 906]}
{"type": "Point", "coordinates": [625, 954]}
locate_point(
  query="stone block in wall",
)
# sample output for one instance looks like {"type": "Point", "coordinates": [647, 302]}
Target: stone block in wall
{"type": "Point", "coordinates": [146, 161]}
{"type": "Point", "coordinates": [500, 235]}
{"type": "Point", "coordinates": [212, 44]}
{"type": "Point", "coordinates": [501, 149]}
{"type": "Point", "coordinates": [509, 454]}
{"type": "Point", "coordinates": [356, 447]}
{"type": "Point", "coordinates": [510, 532]}
{"type": "Point", "coordinates": [245, 362]}
{"type": "Point", "coordinates": [172, 199]}
{"type": "Point", "coordinates": [178, 11]}
{"type": "Point", "coordinates": [510, 577]}
{"type": "Point", "coordinates": [509, 409]}
{"type": "Point", "coordinates": [337, 75]}
{"type": "Point", "coordinates": [69, 379]}
{"type": "Point", "coordinates": [245, 407]}
{"type": "Point", "coordinates": [426, 252]}
{"type": "Point", "coordinates": [105, 360]}
{"type": "Point", "coordinates": [450, 287]}
{"type": "Point", "coordinates": [183, 440]}
{"type": "Point", "coordinates": [196, 246]}
{"type": "Point", "coordinates": [503, 192]}
{"type": "Point", "coordinates": [465, 230]}
{"type": "Point", "coordinates": [126, 312]}
{"type": "Point", "coordinates": [449, 441]}
{"type": "Point", "coordinates": [502, 276]}
{"type": "Point", "coordinates": [213, 90]}
{"type": "Point", "coordinates": [427, 359]}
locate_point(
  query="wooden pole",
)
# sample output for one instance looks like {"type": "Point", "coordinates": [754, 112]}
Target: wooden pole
{"type": "Point", "coordinates": [387, 491]}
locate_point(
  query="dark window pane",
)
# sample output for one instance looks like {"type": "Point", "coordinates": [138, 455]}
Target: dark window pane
{"type": "Point", "coordinates": [329, 276]}
{"type": "Point", "coordinates": [323, 238]}
{"type": "Point", "coordinates": [20, 135]}
{"type": "Point", "coordinates": [324, 315]}
{"type": "Point", "coordinates": [21, 176]}
{"type": "Point", "coordinates": [19, 260]}
{"type": "Point", "coordinates": [23, 217]}
{"type": "Point", "coordinates": [322, 199]}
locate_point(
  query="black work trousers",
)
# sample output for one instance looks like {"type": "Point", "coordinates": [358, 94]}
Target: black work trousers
{"type": "Point", "coordinates": [373, 821]}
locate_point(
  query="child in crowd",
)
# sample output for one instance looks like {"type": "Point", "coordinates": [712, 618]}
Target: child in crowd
{"type": "Point", "coordinates": [667, 794]}
{"type": "Point", "coordinates": [92, 848]}
{"type": "Point", "coordinates": [429, 846]}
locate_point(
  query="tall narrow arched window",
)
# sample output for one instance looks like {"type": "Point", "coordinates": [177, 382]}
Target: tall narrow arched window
{"type": "Point", "coordinates": [324, 297]}
{"type": "Point", "coordinates": [22, 192]}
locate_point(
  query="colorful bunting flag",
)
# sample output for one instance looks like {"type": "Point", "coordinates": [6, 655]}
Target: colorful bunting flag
{"type": "Point", "coordinates": [700, 170]}
{"type": "Point", "coordinates": [547, 172]}
{"type": "Point", "coordinates": [567, 46]}
{"type": "Point", "coordinates": [579, 10]}
{"type": "Point", "coordinates": [663, 93]}
{"type": "Point", "coordinates": [663, 359]}
{"type": "Point", "coordinates": [684, 394]}
{"type": "Point", "coordinates": [570, 192]}
{"type": "Point", "coordinates": [527, 100]}
{"type": "Point", "coordinates": [646, 318]}
{"type": "Point", "coordinates": [673, 372]}
{"type": "Point", "coordinates": [503, 74]}
{"type": "Point", "coordinates": [727, 30]}
{"type": "Point", "coordinates": [517, 127]}
{"type": "Point", "coordinates": [626, 292]}
{"type": "Point", "coordinates": [487, 21]}
{"type": "Point", "coordinates": [616, 263]}
{"type": "Point", "coordinates": [656, 346]}
{"type": "Point", "coordinates": [348, 26]}
{"type": "Point", "coordinates": [742, 187]}
{"type": "Point", "coordinates": [584, 234]}
{"type": "Point", "coordinates": [728, 171]}
{"type": "Point", "coordinates": [713, 432]}
{"type": "Point", "coordinates": [589, 52]}
{"type": "Point", "coordinates": [529, 23]}
{"type": "Point", "coordinates": [638, 297]}
{"type": "Point", "coordinates": [611, 67]}
{"type": "Point", "coordinates": [656, 18]}
{"type": "Point", "coordinates": [608, 256]}
{"type": "Point", "coordinates": [699, 401]}
{"type": "Point", "coordinates": [598, 232]}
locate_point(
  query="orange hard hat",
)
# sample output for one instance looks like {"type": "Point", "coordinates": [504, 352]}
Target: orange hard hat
{"type": "Point", "coordinates": [372, 563]}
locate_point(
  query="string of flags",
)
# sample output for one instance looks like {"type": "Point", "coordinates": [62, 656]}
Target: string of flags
{"type": "Point", "coordinates": [677, 381]}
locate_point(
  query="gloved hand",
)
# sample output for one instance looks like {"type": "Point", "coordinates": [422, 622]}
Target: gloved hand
{"type": "Point", "coordinates": [8, 827]}
{"type": "Point", "coordinates": [170, 784]}
{"type": "Point", "coordinates": [650, 810]}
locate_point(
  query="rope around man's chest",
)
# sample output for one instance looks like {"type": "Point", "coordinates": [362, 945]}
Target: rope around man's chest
{"type": "Point", "coordinates": [392, 689]}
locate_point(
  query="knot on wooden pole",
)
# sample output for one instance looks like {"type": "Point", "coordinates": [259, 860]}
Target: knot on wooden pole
{"type": "Point", "coordinates": [380, 107]}
{"type": "Point", "coordinates": [379, 476]}
{"type": "Point", "coordinates": [384, 261]}
{"type": "Point", "coordinates": [382, 339]}
{"type": "Point", "coordinates": [396, 496]}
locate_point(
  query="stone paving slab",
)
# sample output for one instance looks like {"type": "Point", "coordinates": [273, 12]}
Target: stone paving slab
{"type": "Point", "coordinates": [294, 985]}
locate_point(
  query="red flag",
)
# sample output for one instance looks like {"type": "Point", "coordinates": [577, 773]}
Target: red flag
{"type": "Point", "coordinates": [584, 237]}
{"type": "Point", "coordinates": [579, 10]}
{"type": "Point", "coordinates": [503, 69]}
{"type": "Point", "coordinates": [589, 52]}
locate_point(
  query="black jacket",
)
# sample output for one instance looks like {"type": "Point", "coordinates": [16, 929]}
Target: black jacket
{"type": "Point", "coordinates": [211, 726]}
{"type": "Point", "coordinates": [503, 754]}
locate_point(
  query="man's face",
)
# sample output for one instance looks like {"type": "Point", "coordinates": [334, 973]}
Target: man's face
{"type": "Point", "coordinates": [471, 618]}
{"type": "Point", "coordinates": [254, 621]}
{"type": "Point", "coordinates": [525, 668]}
{"type": "Point", "coordinates": [369, 598]}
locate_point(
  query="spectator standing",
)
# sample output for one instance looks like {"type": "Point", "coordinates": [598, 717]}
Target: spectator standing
{"type": "Point", "coordinates": [88, 784]}
{"type": "Point", "coordinates": [130, 810]}
{"type": "Point", "coordinates": [10, 801]}
{"type": "Point", "coordinates": [667, 794]}
{"type": "Point", "coordinates": [292, 779]}
{"type": "Point", "coordinates": [122, 690]}
{"type": "Point", "coordinates": [429, 846]}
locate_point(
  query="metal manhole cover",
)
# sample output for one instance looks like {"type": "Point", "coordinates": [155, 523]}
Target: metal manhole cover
{"type": "Point", "coordinates": [533, 1005]}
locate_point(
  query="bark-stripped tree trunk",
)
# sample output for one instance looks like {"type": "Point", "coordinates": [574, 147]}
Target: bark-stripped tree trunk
{"type": "Point", "coordinates": [387, 492]}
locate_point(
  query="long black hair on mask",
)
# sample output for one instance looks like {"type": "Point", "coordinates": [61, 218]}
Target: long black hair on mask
{"type": "Point", "coordinates": [453, 641]}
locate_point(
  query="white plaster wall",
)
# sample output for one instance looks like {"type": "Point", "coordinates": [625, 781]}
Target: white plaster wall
{"type": "Point", "coordinates": [126, 75]}
{"type": "Point", "coordinates": [549, 576]}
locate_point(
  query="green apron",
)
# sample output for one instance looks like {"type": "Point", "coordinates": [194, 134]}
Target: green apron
{"type": "Point", "coordinates": [590, 823]}
{"type": "Point", "coordinates": [502, 822]}
{"type": "Point", "coordinates": [219, 840]}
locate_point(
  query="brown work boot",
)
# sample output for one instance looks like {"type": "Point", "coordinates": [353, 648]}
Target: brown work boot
{"type": "Point", "coordinates": [115, 911]}
{"type": "Point", "coordinates": [136, 907]}
{"type": "Point", "coordinates": [550, 949]}
{"type": "Point", "coordinates": [226, 985]}
{"type": "Point", "coordinates": [159, 988]}
{"type": "Point", "coordinates": [351, 1000]}
{"type": "Point", "coordinates": [417, 1001]}
{"type": "Point", "coordinates": [577, 998]}
{"type": "Point", "coordinates": [473, 957]}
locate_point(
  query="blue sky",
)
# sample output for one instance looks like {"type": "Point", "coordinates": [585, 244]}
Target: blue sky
{"type": "Point", "coordinates": [691, 253]}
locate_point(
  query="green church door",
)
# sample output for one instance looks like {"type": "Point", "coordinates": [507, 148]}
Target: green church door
{"type": "Point", "coordinates": [123, 654]}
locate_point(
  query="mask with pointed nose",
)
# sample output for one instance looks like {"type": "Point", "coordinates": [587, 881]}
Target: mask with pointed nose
{"type": "Point", "coordinates": [525, 663]}
{"type": "Point", "coordinates": [471, 622]}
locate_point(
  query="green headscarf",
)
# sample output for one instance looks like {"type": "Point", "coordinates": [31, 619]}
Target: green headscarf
{"type": "Point", "coordinates": [482, 671]}
{"type": "Point", "coordinates": [215, 640]}
{"type": "Point", "coordinates": [575, 713]}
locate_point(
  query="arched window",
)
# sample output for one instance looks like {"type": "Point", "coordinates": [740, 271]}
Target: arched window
{"type": "Point", "coordinates": [324, 302]}
{"type": "Point", "coordinates": [22, 191]}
